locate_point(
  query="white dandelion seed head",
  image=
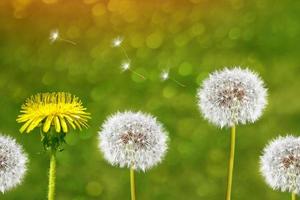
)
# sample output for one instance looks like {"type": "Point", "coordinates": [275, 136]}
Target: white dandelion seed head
{"type": "Point", "coordinates": [125, 66]}
{"type": "Point", "coordinates": [280, 164]}
{"type": "Point", "coordinates": [133, 139]}
{"type": "Point", "coordinates": [13, 162]}
{"type": "Point", "coordinates": [164, 75]}
{"type": "Point", "coordinates": [232, 96]}
{"type": "Point", "coordinates": [54, 35]}
{"type": "Point", "coordinates": [117, 41]}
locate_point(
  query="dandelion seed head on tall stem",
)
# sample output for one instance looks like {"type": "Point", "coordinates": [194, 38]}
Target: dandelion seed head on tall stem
{"type": "Point", "coordinates": [13, 163]}
{"type": "Point", "coordinates": [280, 164]}
{"type": "Point", "coordinates": [232, 96]}
{"type": "Point", "coordinates": [133, 139]}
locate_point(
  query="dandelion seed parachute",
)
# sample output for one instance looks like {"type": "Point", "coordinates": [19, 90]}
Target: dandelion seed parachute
{"type": "Point", "coordinates": [125, 66]}
{"type": "Point", "coordinates": [232, 96]}
{"type": "Point", "coordinates": [54, 35]}
{"type": "Point", "coordinates": [117, 41]}
{"type": "Point", "coordinates": [280, 164]}
{"type": "Point", "coordinates": [132, 139]}
{"type": "Point", "coordinates": [164, 75]}
{"type": "Point", "coordinates": [62, 110]}
{"type": "Point", "coordinates": [13, 162]}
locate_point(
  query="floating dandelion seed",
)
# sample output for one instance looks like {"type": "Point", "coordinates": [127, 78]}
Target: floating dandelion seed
{"type": "Point", "coordinates": [165, 76]}
{"type": "Point", "coordinates": [55, 36]}
{"type": "Point", "coordinates": [231, 97]}
{"type": "Point", "coordinates": [126, 65]}
{"type": "Point", "coordinates": [280, 164]}
{"type": "Point", "coordinates": [134, 140]}
{"type": "Point", "coordinates": [13, 163]}
{"type": "Point", "coordinates": [117, 42]}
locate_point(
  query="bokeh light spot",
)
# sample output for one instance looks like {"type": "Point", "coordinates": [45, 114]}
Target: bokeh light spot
{"type": "Point", "coordinates": [185, 69]}
{"type": "Point", "coordinates": [154, 40]}
{"type": "Point", "coordinates": [94, 188]}
{"type": "Point", "coordinates": [131, 16]}
{"type": "Point", "coordinates": [99, 9]}
{"type": "Point", "coordinates": [136, 40]}
{"type": "Point", "coordinates": [169, 92]}
{"type": "Point", "coordinates": [181, 39]}
{"type": "Point", "coordinates": [197, 29]}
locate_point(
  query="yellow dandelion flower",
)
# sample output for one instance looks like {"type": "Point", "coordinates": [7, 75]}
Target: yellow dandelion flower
{"type": "Point", "coordinates": [59, 109]}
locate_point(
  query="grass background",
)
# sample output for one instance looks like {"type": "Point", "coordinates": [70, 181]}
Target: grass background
{"type": "Point", "coordinates": [192, 38]}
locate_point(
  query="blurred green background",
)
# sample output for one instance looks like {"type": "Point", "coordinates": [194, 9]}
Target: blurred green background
{"type": "Point", "coordinates": [192, 38]}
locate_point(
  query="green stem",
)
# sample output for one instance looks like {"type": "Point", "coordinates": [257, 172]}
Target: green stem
{"type": "Point", "coordinates": [293, 196]}
{"type": "Point", "coordinates": [230, 164]}
{"type": "Point", "coordinates": [132, 184]}
{"type": "Point", "coordinates": [52, 176]}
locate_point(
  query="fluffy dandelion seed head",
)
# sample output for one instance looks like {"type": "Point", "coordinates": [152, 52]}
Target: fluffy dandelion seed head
{"type": "Point", "coordinates": [54, 35]}
{"type": "Point", "coordinates": [280, 164]}
{"type": "Point", "coordinates": [117, 41]}
{"type": "Point", "coordinates": [12, 163]}
{"type": "Point", "coordinates": [59, 109]}
{"type": "Point", "coordinates": [232, 96]}
{"type": "Point", "coordinates": [125, 66]}
{"type": "Point", "coordinates": [164, 75]}
{"type": "Point", "coordinates": [132, 139]}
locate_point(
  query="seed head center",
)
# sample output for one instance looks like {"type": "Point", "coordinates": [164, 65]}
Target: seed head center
{"type": "Point", "coordinates": [3, 161]}
{"type": "Point", "coordinates": [231, 94]}
{"type": "Point", "coordinates": [291, 161]}
{"type": "Point", "coordinates": [136, 139]}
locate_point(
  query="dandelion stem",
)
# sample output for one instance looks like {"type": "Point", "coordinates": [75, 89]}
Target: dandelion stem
{"type": "Point", "coordinates": [52, 176]}
{"type": "Point", "coordinates": [132, 184]}
{"type": "Point", "coordinates": [231, 163]}
{"type": "Point", "coordinates": [293, 196]}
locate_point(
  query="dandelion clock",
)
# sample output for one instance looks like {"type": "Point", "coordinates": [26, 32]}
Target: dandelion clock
{"type": "Point", "coordinates": [133, 140]}
{"type": "Point", "coordinates": [13, 162]}
{"type": "Point", "coordinates": [231, 97]}
{"type": "Point", "coordinates": [54, 114]}
{"type": "Point", "coordinates": [280, 164]}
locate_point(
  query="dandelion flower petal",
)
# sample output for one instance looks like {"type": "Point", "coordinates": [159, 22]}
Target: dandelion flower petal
{"type": "Point", "coordinates": [47, 124]}
{"type": "Point", "coordinates": [59, 110]}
